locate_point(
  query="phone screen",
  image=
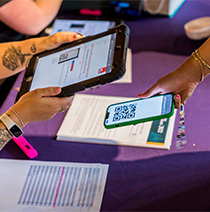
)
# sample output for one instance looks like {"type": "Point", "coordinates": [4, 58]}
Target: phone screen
{"type": "Point", "coordinates": [76, 64]}
{"type": "Point", "coordinates": [139, 109]}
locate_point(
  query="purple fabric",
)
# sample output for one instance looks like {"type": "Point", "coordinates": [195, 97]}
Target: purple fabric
{"type": "Point", "coordinates": [143, 179]}
{"type": "Point", "coordinates": [138, 178]}
{"type": "Point", "coordinates": [163, 34]}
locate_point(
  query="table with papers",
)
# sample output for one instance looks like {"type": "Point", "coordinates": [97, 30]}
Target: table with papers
{"type": "Point", "coordinates": [141, 179]}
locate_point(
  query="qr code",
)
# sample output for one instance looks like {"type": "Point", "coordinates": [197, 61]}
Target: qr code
{"type": "Point", "coordinates": [124, 112]}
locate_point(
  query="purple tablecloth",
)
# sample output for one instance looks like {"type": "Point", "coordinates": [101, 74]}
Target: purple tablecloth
{"type": "Point", "coordinates": [165, 34]}
{"type": "Point", "coordinates": [140, 178]}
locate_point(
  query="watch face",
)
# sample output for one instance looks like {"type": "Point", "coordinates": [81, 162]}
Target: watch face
{"type": "Point", "coordinates": [16, 131]}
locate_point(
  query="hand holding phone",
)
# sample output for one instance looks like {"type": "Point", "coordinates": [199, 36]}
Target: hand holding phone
{"type": "Point", "coordinates": [139, 110]}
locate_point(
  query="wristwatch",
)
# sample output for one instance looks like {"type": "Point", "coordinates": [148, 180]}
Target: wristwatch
{"type": "Point", "coordinates": [13, 128]}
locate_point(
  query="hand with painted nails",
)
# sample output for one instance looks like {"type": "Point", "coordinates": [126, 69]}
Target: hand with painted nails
{"type": "Point", "coordinates": [183, 81]}
{"type": "Point", "coordinates": [15, 55]}
{"type": "Point", "coordinates": [176, 83]}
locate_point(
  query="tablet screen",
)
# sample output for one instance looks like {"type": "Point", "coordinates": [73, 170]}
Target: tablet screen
{"type": "Point", "coordinates": [85, 27]}
{"type": "Point", "coordinates": [76, 64]}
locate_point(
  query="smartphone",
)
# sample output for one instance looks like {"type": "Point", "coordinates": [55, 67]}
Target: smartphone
{"type": "Point", "coordinates": [81, 64]}
{"type": "Point", "coordinates": [139, 110]}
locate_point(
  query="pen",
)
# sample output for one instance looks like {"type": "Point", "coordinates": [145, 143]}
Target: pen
{"type": "Point", "coordinates": [25, 146]}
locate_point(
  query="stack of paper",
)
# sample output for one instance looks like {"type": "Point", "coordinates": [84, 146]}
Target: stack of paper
{"type": "Point", "coordinates": [84, 123]}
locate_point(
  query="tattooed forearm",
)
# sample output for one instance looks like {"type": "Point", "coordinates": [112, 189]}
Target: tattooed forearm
{"type": "Point", "coordinates": [33, 48]}
{"type": "Point", "coordinates": [4, 137]}
{"type": "Point", "coordinates": [13, 58]}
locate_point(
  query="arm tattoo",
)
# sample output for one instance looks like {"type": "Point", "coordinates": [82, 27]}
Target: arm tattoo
{"type": "Point", "coordinates": [33, 47]}
{"type": "Point", "coordinates": [4, 137]}
{"type": "Point", "coordinates": [13, 58]}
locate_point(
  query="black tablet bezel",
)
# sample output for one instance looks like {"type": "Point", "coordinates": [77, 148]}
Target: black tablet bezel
{"type": "Point", "coordinates": [118, 66]}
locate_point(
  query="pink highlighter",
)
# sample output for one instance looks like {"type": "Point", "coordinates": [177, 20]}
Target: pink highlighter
{"type": "Point", "coordinates": [25, 146]}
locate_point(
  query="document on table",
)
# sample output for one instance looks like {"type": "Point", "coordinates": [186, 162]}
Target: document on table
{"type": "Point", "coordinates": [84, 123]}
{"type": "Point", "coordinates": [127, 78]}
{"type": "Point", "coordinates": [85, 27]}
{"type": "Point", "coordinates": [51, 186]}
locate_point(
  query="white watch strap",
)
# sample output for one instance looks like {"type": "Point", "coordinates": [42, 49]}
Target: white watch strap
{"type": "Point", "coordinates": [7, 120]}
{"type": "Point", "coordinates": [11, 125]}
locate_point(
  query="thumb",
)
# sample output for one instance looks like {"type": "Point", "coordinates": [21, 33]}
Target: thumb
{"type": "Point", "coordinates": [50, 91]}
{"type": "Point", "coordinates": [150, 92]}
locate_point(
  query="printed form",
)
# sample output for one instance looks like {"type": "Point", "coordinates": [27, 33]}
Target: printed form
{"type": "Point", "coordinates": [84, 123]}
{"type": "Point", "coordinates": [127, 78]}
{"type": "Point", "coordinates": [51, 186]}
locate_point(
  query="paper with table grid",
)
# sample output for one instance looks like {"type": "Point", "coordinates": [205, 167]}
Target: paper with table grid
{"type": "Point", "coordinates": [51, 186]}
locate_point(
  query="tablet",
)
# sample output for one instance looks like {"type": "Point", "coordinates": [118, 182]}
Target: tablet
{"type": "Point", "coordinates": [78, 65]}
{"type": "Point", "coordinates": [85, 27]}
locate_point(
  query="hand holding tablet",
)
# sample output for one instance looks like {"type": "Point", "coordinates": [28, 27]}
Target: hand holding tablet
{"type": "Point", "coordinates": [78, 65]}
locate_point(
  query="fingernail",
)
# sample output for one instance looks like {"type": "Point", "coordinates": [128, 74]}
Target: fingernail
{"type": "Point", "coordinates": [139, 94]}
{"type": "Point", "coordinates": [79, 34]}
{"type": "Point", "coordinates": [177, 96]}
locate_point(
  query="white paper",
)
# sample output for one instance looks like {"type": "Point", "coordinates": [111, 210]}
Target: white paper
{"type": "Point", "coordinates": [84, 123]}
{"type": "Point", "coordinates": [85, 27]}
{"type": "Point", "coordinates": [127, 78]}
{"type": "Point", "coordinates": [51, 186]}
